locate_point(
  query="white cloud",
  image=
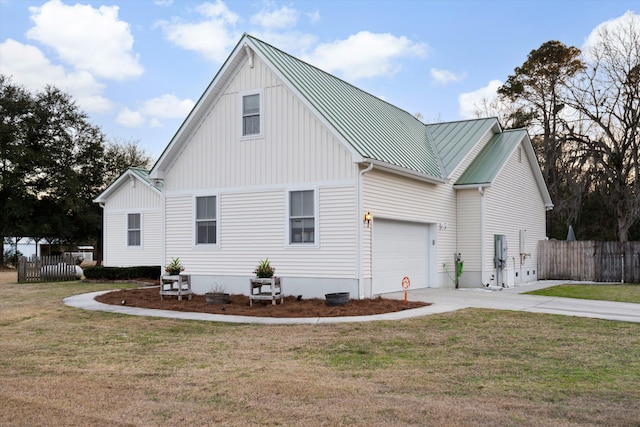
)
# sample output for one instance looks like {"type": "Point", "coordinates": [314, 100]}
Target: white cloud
{"type": "Point", "coordinates": [284, 17]}
{"type": "Point", "coordinates": [86, 38]}
{"type": "Point", "coordinates": [365, 55]}
{"type": "Point", "coordinates": [210, 37]}
{"type": "Point", "coordinates": [29, 67]}
{"type": "Point", "coordinates": [163, 3]}
{"type": "Point", "coordinates": [471, 102]}
{"type": "Point", "coordinates": [167, 107]}
{"type": "Point", "coordinates": [130, 118]}
{"type": "Point", "coordinates": [618, 26]}
{"type": "Point", "coordinates": [314, 17]}
{"type": "Point", "coordinates": [445, 76]}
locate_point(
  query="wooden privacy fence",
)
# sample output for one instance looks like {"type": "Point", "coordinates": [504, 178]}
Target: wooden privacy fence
{"type": "Point", "coordinates": [46, 268]}
{"type": "Point", "coordinates": [589, 260]}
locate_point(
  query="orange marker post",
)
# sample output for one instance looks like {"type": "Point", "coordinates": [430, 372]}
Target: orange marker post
{"type": "Point", "coordinates": [405, 285]}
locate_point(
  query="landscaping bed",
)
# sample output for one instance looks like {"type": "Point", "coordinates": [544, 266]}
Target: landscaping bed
{"type": "Point", "coordinates": [239, 305]}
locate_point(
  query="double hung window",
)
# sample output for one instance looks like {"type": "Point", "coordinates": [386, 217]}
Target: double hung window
{"type": "Point", "coordinates": [301, 217]}
{"type": "Point", "coordinates": [251, 115]}
{"type": "Point", "coordinates": [134, 230]}
{"type": "Point", "coordinates": [206, 220]}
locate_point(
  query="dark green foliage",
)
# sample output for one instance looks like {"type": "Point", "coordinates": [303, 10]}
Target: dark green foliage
{"type": "Point", "coordinates": [122, 273]}
{"type": "Point", "coordinates": [53, 163]}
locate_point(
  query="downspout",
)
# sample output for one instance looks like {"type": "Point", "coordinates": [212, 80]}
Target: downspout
{"type": "Point", "coordinates": [159, 184]}
{"type": "Point", "coordinates": [483, 237]}
{"type": "Point", "coordinates": [360, 245]}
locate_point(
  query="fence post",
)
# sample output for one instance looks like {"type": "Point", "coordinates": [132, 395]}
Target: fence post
{"type": "Point", "coordinates": [622, 267]}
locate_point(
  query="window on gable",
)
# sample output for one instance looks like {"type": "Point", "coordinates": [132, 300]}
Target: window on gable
{"type": "Point", "coordinates": [251, 115]}
{"type": "Point", "coordinates": [301, 217]}
{"type": "Point", "coordinates": [206, 222]}
{"type": "Point", "coordinates": [134, 230]}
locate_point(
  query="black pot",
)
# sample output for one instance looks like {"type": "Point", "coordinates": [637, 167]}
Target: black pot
{"type": "Point", "coordinates": [337, 298]}
{"type": "Point", "coordinates": [217, 298]}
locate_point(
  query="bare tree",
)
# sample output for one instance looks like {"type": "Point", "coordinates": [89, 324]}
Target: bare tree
{"type": "Point", "coordinates": [606, 99]}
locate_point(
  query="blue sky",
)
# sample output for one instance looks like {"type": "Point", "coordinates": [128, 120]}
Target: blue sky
{"type": "Point", "coordinates": [137, 67]}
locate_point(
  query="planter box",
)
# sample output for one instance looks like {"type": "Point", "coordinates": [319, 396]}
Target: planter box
{"type": "Point", "coordinates": [337, 298]}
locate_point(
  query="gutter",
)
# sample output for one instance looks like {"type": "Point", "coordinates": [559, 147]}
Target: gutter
{"type": "Point", "coordinates": [399, 170]}
{"type": "Point", "coordinates": [360, 245]}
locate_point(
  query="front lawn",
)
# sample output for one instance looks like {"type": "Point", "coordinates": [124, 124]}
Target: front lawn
{"type": "Point", "coordinates": [605, 292]}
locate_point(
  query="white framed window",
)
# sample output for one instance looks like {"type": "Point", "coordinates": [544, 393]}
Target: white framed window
{"type": "Point", "coordinates": [206, 224]}
{"type": "Point", "coordinates": [134, 229]}
{"type": "Point", "coordinates": [251, 106]}
{"type": "Point", "coordinates": [302, 217]}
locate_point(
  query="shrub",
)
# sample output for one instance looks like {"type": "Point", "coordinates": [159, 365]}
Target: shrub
{"type": "Point", "coordinates": [100, 272]}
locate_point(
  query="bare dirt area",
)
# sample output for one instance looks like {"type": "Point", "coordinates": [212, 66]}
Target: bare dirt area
{"type": "Point", "coordinates": [8, 275]}
{"type": "Point", "coordinates": [239, 305]}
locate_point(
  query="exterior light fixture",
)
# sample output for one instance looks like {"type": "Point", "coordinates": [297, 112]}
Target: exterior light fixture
{"type": "Point", "coordinates": [367, 218]}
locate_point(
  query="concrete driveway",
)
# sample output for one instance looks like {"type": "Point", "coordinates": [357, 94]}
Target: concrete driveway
{"type": "Point", "coordinates": [442, 300]}
{"type": "Point", "coordinates": [512, 299]}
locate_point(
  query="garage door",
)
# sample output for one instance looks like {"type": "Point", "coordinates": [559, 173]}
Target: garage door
{"type": "Point", "coordinates": [400, 249]}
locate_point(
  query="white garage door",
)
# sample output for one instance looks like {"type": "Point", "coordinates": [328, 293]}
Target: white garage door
{"type": "Point", "coordinates": [399, 249]}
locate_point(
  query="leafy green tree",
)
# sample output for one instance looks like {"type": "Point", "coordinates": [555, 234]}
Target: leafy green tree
{"type": "Point", "coordinates": [537, 90]}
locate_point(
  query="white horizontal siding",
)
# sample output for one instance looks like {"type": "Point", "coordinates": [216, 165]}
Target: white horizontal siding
{"type": "Point", "coordinates": [294, 147]}
{"type": "Point", "coordinates": [513, 203]}
{"type": "Point", "coordinates": [116, 251]}
{"type": "Point", "coordinates": [470, 229]}
{"type": "Point", "coordinates": [253, 226]}
{"type": "Point", "coordinates": [395, 197]}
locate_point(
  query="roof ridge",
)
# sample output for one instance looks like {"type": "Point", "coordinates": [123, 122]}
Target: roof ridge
{"type": "Point", "coordinates": [333, 76]}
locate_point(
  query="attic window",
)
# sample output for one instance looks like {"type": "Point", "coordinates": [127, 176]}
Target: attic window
{"type": "Point", "coordinates": [251, 114]}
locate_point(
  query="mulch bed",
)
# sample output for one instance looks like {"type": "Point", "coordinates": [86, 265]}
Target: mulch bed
{"type": "Point", "coordinates": [239, 305]}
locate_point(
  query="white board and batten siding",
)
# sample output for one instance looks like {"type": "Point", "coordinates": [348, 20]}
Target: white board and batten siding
{"type": "Point", "coordinates": [130, 198]}
{"type": "Point", "coordinates": [514, 203]}
{"type": "Point", "coordinates": [251, 178]}
{"type": "Point", "coordinates": [294, 146]}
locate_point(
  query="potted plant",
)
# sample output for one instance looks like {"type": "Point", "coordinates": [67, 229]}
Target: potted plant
{"type": "Point", "coordinates": [216, 295]}
{"type": "Point", "coordinates": [264, 269]}
{"type": "Point", "coordinates": [174, 267]}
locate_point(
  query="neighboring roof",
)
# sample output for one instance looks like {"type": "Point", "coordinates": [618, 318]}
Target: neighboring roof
{"type": "Point", "coordinates": [484, 169]}
{"type": "Point", "coordinates": [454, 140]}
{"type": "Point", "coordinates": [131, 173]}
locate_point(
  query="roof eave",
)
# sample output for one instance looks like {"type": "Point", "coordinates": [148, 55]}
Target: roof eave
{"type": "Point", "coordinates": [399, 170]}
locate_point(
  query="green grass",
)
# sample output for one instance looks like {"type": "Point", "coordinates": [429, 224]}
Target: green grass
{"type": "Point", "coordinates": [603, 292]}
{"type": "Point", "coordinates": [66, 366]}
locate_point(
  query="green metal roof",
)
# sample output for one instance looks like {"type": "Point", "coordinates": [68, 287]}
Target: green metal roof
{"type": "Point", "coordinates": [374, 128]}
{"type": "Point", "coordinates": [142, 174]}
{"type": "Point", "coordinates": [454, 140]}
{"type": "Point", "coordinates": [485, 167]}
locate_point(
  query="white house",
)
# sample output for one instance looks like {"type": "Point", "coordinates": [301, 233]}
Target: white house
{"type": "Point", "coordinates": [132, 221]}
{"type": "Point", "coordinates": [341, 190]}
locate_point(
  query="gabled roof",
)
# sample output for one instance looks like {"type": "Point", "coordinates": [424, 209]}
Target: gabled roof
{"type": "Point", "coordinates": [138, 174]}
{"type": "Point", "coordinates": [372, 129]}
{"type": "Point", "coordinates": [484, 169]}
{"type": "Point", "coordinates": [454, 140]}
{"type": "Point", "coordinates": [376, 129]}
